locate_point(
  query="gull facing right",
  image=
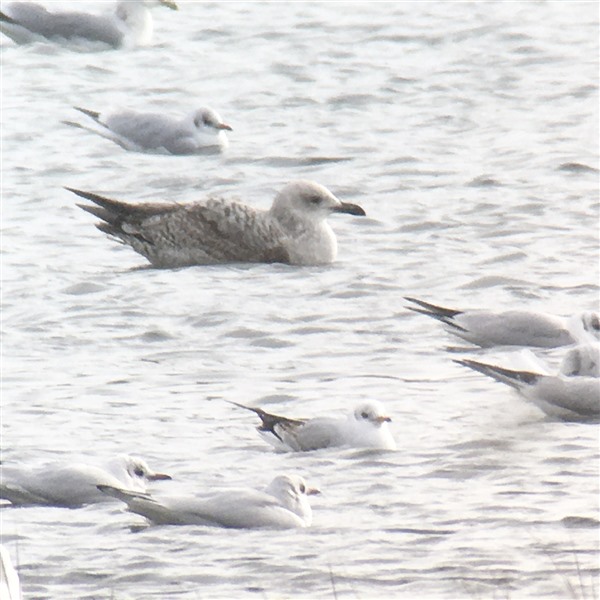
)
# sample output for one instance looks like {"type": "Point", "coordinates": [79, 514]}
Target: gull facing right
{"type": "Point", "coordinates": [200, 132]}
{"type": "Point", "coordinates": [294, 230]}
{"type": "Point", "coordinates": [487, 328]}
{"type": "Point", "coordinates": [365, 427]}
{"type": "Point", "coordinates": [73, 485]}
{"type": "Point", "coordinates": [282, 505]}
{"type": "Point", "coordinates": [569, 397]}
{"type": "Point", "coordinates": [129, 24]}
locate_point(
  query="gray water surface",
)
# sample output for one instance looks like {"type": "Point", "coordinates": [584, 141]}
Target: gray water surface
{"type": "Point", "coordinates": [469, 134]}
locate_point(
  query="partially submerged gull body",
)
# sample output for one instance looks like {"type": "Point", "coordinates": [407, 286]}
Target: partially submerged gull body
{"type": "Point", "coordinates": [293, 231]}
{"type": "Point", "coordinates": [129, 24]}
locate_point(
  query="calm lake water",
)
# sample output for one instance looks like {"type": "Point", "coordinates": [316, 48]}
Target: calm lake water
{"type": "Point", "coordinates": [469, 134]}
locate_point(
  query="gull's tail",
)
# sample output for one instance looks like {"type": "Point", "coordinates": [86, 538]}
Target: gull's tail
{"type": "Point", "coordinates": [515, 379]}
{"type": "Point", "coordinates": [445, 315]}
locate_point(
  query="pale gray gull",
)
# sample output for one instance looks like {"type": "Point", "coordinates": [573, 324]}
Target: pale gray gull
{"type": "Point", "coordinates": [577, 361]}
{"type": "Point", "coordinates": [487, 328]}
{"type": "Point", "coordinates": [282, 505]}
{"type": "Point", "coordinates": [294, 230]}
{"type": "Point", "coordinates": [73, 485]}
{"type": "Point", "coordinates": [365, 427]}
{"type": "Point", "coordinates": [129, 24]}
{"type": "Point", "coordinates": [10, 585]}
{"type": "Point", "coordinates": [569, 398]}
{"type": "Point", "coordinates": [200, 132]}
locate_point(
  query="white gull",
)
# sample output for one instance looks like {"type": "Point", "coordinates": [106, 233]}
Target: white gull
{"type": "Point", "coordinates": [487, 328]}
{"type": "Point", "coordinates": [73, 485]}
{"type": "Point", "coordinates": [10, 585]}
{"type": "Point", "coordinates": [574, 397]}
{"type": "Point", "coordinates": [282, 505]}
{"type": "Point", "coordinates": [129, 24]}
{"type": "Point", "coordinates": [294, 230]}
{"type": "Point", "coordinates": [365, 427]}
{"type": "Point", "coordinates": [201, 131]}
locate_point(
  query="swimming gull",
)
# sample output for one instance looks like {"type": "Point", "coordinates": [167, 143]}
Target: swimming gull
{"type": "Point", "coordinates": [294, 230]}
{"type": "Point", "coordinates": [488, 328]}
{"type": "Point", "coordinates": [569, 398]}
{"type": "Point", "coordinates": [202, 131]}
{"type": "Point", "coordinates": [10, 585]}
{"type": "Point", "coordinates": [73, 485]}
{"type": "Point", "coordinates": [365, 427]}
{"type": "Point", "coordinates": [282, 505]}
{"type": "Point", "coordinates": [129, 24]}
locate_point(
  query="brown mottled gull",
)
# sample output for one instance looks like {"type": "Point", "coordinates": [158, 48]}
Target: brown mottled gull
{"type": "Point", "coordinates": [294, 230]}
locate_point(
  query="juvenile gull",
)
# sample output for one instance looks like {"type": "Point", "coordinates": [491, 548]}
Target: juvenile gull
{"type": "Point", "coordinates": [294, 230]}
{"type": "Point", "coordinates": [569, 398]}
{"type": "Point", "coordinates": [488, 328]}
{"type": "Point", "coordinates": [73, 485]}
{"type": "Point", "coordinates": [365, 427]}
{"type": "Point", "coordinates": [129, 24]}
{"type": "Point", "coordinates": [282, 505]}
{"type": "Point", "coordinates": [201, 131]}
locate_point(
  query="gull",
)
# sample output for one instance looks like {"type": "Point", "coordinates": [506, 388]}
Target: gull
{"type": "Point", "coordinates": [365, 427]}
{"type": "Point", "coordinates": [201, 131]}
{"type": "Point", "coordinates": [129, 24]}
{"type": "Point", "coordinates": [582, 360]}
{"type": "Point", "coordinates": [10, 585]}
{"type": "Point", "coordinates": [569, 398]}
{"type": "Point", "coordinates": [294, 230]}
{"type": "Point", "coordinates": [487, 328]}
{"type": "Point", "coordinates": [73, 485]}
{"type": "Point", "coordinates": [282, 505]}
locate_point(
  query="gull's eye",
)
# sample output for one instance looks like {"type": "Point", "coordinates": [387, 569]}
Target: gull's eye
{"type": "Point", "coordinates": [302, 488]}
{"type": "Point", "coordinates": [364, 415]}
{"type": "Point", "coordinates": [316, 200]}
{"type": "Point", "coordinates": [138, 472]}
{"type": "Point", "coordinates": [595, 322]}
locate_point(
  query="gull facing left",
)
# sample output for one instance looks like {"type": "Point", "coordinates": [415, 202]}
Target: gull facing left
{"type": "Point", "coordinates": [294, 230]}
{"type": "Point", "coordinates": [365, 427]}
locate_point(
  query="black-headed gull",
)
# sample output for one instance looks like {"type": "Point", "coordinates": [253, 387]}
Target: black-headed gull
{"type": "Point", "coordinates": [294, 230]}
{"type": "Point", "coordinates": [129, 24]}
{"type": "Point", "coordinates": [282, 505]}
{"type": "Point", "coordinates": [365, 427]}
{"type": "Point", "coordinates": [73, 485]}
{"type": "Point", "coordinates": [488, 328]}
{"type": "Point", "coordinates": [199, 132]}
{"type": "Point", "coordinates": [570, 398]}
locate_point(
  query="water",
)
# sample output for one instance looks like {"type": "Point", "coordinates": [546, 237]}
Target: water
{"type": "Point", "coordinates": [469, 133]}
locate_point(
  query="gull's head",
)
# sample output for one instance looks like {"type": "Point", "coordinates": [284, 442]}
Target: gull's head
{"type": "Point", "coordinates": [138, 471]}
{"type": "Point", "coordinates": [209, 119]}
{"type": "Point", "coordinates": [590, 322]}
{"type": "Point", "coordinates": [371, 413]}
{"type": "Point", "coordinates": [167, 3]}
{"type": "Point", "coordinates": [292, 491]}
{"type": "Point", "coordinates": [209, 127]}
{"type": "Point", "coordinates": [581, 361]}
{"type": "Point", "coordinates": [308, 200]}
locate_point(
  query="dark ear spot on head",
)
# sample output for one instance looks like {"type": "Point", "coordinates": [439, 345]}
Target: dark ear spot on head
{"type": "Point", "coordinates": [595, 322]}
{"type": "Point", "coordinates": [315, 199]}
